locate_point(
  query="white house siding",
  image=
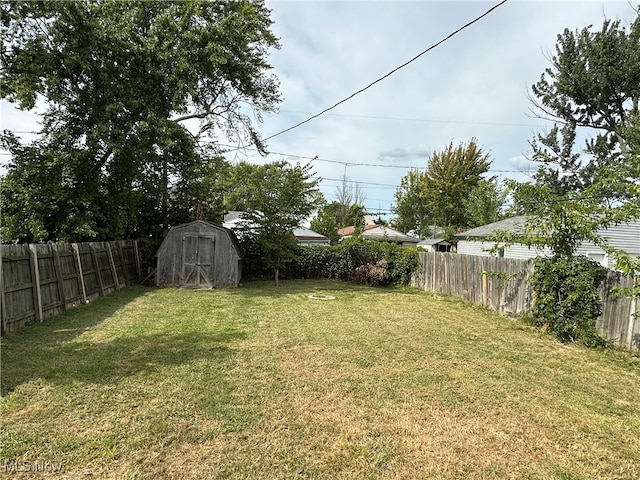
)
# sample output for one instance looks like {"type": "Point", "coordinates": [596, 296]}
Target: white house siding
{"type": "Point", "coordinates": [625, 237]}
{"type": "Point", "coordinates": [522, 252]}
{"type": "Point", "coordinates": [471, 247]}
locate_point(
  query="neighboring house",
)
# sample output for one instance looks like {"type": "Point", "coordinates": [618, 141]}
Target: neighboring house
{"type": "Point", "coordinates": [308, 237]}
{"type": "Point", "coordinates": [233, 220]}
{"type": "Point", "coordinates": [435, 245]}
{"type": "Point", "coordinates": [625, 237]}
{"type": "Point", "coordinates": [381, 233]}
{"type": "Point", "coordinates": [348, 231]}
{"type": "Point", "coordinates": [199, 255]}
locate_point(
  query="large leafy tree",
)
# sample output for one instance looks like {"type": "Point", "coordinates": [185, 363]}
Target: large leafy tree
{"type": "Point", "coordinates": [594, 82]}
{"type": "Point", "coordinates": [326, 221]}
{"type": "Point", "coordinates": [275, 198]}
{"type": "Point", "coordinates": [440, 196]}
{"type": "Point", "coordinates": [336, 215]}
{"type": "Point", "coordinates": [347, 210]}
{"type": "Point", "coordinates": [411, 212]}
{"type": "Point", "coordinates": [485, 202]}
{"type": "Point", "coordinates": [120, 82]}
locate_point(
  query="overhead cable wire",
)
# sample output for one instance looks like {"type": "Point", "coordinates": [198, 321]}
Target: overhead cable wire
{"type": "Point", "coordinates": [362, 164]}
{"type": "Point", "coordinates": [407, 119]}
{"type": "Point", "coordinates": [468, 24]}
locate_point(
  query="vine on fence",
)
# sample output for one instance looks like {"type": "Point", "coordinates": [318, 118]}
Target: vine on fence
{"type": "Point", "coordinates": [567, 302]}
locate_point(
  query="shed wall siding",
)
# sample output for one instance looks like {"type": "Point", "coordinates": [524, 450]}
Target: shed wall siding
{"type": "Point", "coordinates": [225, 261]}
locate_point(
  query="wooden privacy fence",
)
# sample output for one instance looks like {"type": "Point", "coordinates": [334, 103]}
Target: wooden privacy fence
{"type": "Point", "coordinates": [38, 281]}
{"type": "Point", "coordinates": [501, 284]}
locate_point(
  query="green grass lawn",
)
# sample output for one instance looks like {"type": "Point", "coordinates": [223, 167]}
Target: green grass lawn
{"type": "Point", "coordinates": [262, 382]}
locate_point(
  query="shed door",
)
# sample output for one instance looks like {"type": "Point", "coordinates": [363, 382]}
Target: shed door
{"type": "Point", "coordinates": [197, 261]}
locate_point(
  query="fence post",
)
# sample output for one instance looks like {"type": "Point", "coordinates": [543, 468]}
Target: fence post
{"type": "Point", "coordinates": [96, 267]}
{"type": "Point", "coordinates": [124, 264]}
{"type": "Point", "coordinates": [35, 282]}
{"type": "Point", "coordinates": [59, 276]}
{"type": "Point", "coordinates": [3, 306]}
{"type": "Point", "coordinates": [433, 273]}
{"type": "Point", "coordinates": [114, 272]}
{"type": "Point", "coordinates": [136, 254]}
{"type": "Point", "coordinates": [632, 322]}
{"type": "Point", "coordinates": [485, 289]}
{"type": "Point", "coordinates": [76, 257]}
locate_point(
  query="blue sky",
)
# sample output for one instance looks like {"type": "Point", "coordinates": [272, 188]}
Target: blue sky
{"type": "Point", "coordinates": [473, 86]}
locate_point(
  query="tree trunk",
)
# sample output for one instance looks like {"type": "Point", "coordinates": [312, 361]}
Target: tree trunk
{"type": "Point", "coordinates": [276, 274]}
{"type": "Point", "coordinates": [165, 198]}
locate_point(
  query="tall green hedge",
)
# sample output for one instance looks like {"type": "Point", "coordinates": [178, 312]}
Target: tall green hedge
{"type": "Point", "coordinates": [354, 260]}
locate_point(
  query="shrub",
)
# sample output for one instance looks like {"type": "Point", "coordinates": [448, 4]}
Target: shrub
{"type": "Point", "coordinates": [567, 302]}
{"type": "Point", "coordinates": [356, 260]}
{"type": "Point", "coordinates": [376, 275]}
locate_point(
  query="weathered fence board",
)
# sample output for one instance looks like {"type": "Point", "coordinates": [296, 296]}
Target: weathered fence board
{"type": "Point", "coordinates": [502, 285]}
{"type": "Point", "coordinates": [39, 281]}
{"type": "Point", "coordinates": [17, 285]}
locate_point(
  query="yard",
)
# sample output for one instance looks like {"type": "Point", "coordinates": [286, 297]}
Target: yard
{"type": "Point", "coordinates": [262, 383]}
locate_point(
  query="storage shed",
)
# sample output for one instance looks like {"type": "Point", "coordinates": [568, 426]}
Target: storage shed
{"type": "Point", "coordinates": [199, 255]}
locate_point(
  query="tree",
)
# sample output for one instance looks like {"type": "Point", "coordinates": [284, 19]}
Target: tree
{"type": "Point", "coordinates": [411, 212]}
{"type": "Point", "coordinates": [335, 215]}
{"type": "Point", "coordinates": [594, 82]}
{"type": "Point", "coordinates": [121, 82]}
{"type": "Point", "coordinates": [485, 201]}
{"type": "Point", "coordinates": [325, 222]}
{"type": "Point", "coordinates": [202, 197]}
{"type": "Point", "coordinates": [40, 200]}
{"type": "Point", "coordinates": [349, 193]}
{"type": "Point", "coordinates": [440, 196]}
{"type": "Point", "coordinates": [275, 198]}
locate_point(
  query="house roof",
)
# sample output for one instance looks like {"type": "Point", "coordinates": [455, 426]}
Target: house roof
{"type": "Point", "coordinates": [515, 225]}
{"type": "Point", "coordinates": [233, 220]}
{"type": "Point", "coordinates": [303, 233]}
{"type": "Point", "coordinates": [433, 241]}
{"type": "Point", "coordinates": [379, 232]}
{"type": "Point", "coordinates": [386, 234]}
{"type": "Point", "coordinates": [343, 232]}
{"type": "Point", "coordinates": [232, 216]}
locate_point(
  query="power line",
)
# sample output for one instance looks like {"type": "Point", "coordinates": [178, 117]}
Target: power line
{"type": "Point", "coordinates": [391, 72]}
{"type": "Point", "coordinates": [407, 119]}
{"type": "Point", "coordinates": [363, 164]}
{"type": "Point", "coordinates": [356, 164]}
{"type": "Point", "coordinates": [360, 183]}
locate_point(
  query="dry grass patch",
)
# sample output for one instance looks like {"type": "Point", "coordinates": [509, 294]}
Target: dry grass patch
{"type": "Point", "coordinates": [261, 382]}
